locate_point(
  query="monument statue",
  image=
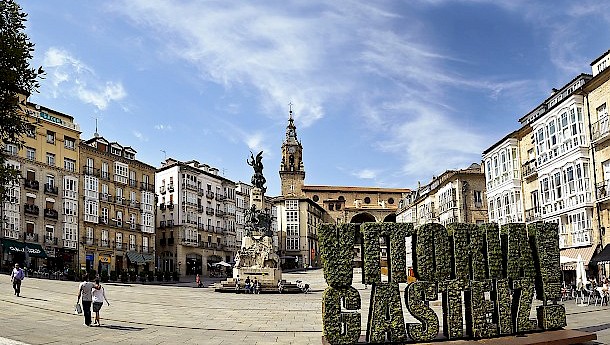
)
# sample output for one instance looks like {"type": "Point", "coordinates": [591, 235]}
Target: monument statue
{"type": "Point", "coordinates": [258, 180]}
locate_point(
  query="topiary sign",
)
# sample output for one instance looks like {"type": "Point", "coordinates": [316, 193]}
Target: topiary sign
{"type": "Point", "coordinates": [486, 277]}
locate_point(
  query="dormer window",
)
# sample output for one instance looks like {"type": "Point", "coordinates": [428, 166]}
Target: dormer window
{"type": "Point", "coordinates": [115, 151]}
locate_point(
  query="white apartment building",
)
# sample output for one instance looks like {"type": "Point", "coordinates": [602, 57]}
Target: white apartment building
{"type": "Point", "coordinates": [503, 181]}
{"type": "Point", "coordinates": [196, 217]}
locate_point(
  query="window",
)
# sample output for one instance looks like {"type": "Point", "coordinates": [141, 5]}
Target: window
{"type": "Point", "coordinates": [30, 153]}
{"type": "Point", "coordinates": [105, 238]}
{"type": "Point", "coordinates": [104, 217]}
{"type": "Point", "coordinates": [119, 240]}
{"type": "Point", "coordinates": [69, 164]}
{"type": "Point", "coordinates": [292, 204]}
{"type": "Point", "coordinates": [367, 200]}
{"type": "Point", "coordinates": [51, 181]}
{"type": "Point", "coordinates": [105, 174]}
{"type": "Point", "coordinates": [49, 231]}
{"type": "Point", "coordinates": [121, 172]}
{"type": "Point", "coordinates": [69, 143]}
{"type": "Point", "coordinates": [331, 207]}
{"type": "Point", "coordinates": [478, 197]}
{"type": "Point", "coordinates": [50, 137]}
{"type": "Point", "coordinates": [11, 149]}
{"type": "Point", "coordinates": [132, 242]}
{"type": "Point", "coordinates": [30, 131]}
{"type": "Point", "coordinates": [316, 198]}
{"type": "Point", "coordinates": [50, 159]}
{"type": "Point", "coordinates": [391, 201]}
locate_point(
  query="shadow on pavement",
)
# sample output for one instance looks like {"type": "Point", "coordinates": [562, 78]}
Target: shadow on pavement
{"type": "Point", "coordinates": [597, 328]}
{"type": "Point", "coordinates": [122, 328]}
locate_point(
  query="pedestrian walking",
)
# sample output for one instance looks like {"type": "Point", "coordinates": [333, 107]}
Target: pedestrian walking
{"type": "Point", "coordinates": [99, 296]}
{"type": "Point", "coordinates": [84, 295]}
{"type": "Point", "coordinates": [16, 277]}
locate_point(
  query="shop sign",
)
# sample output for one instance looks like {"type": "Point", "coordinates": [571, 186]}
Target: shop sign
{"type": "Point", "coordinates": [104, 259]}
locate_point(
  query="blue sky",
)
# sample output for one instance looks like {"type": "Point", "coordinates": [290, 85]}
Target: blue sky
{"type": "Point", "coordinates": [385, 93]}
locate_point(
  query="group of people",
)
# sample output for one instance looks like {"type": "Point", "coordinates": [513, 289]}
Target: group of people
{"type": "Point", "coordinates": [251, 286]}
{"type": "Point", "coordinates": [91, 294]}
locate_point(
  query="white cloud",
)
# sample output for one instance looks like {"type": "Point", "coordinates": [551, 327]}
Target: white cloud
{"type": "Point", "coordinates": [368, 174]}
{"type": "Point", "coordinates": [71, 77]}
{"type": "Point", "coordinates": [140, 136]}
{"type": "Point", "coordinates": [162, 127]}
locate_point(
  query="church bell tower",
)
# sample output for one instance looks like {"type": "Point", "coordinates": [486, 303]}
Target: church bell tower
{"type": "Point", "coordinates": [292, 170]}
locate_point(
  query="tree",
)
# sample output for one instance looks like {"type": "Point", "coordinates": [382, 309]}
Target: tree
{"type": "Point", "coordinates": [17, 81]}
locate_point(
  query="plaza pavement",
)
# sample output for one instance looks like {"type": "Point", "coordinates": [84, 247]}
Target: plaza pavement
{"type": "Point", "coordinates": [161, 314]}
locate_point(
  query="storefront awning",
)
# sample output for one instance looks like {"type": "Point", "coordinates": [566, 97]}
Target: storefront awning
{"type": "Point", "coordinates": [148, 257]}
{"type": "Point", "coordinates": [135, 258]}
{"type": "Point", "coordinates": [586, 253]}
{"type": "Point", "coordinates": [34, 249]}
{"type": "Point", "coordinates": [602, 257]}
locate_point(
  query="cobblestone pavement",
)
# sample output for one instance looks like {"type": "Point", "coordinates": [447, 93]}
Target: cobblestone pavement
{"type": "Point", "coordinates": [153, 314]}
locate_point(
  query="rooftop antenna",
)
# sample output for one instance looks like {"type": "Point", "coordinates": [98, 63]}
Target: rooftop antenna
{"type": "Point", "coordinates": [96, 134]}
{"type": "Point", "coordinates": [290, 108]}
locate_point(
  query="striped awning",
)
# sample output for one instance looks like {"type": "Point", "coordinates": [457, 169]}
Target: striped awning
{"type": "Point", "coordinates": [586, 253]}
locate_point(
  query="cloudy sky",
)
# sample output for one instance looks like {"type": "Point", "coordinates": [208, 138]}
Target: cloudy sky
{"type": "Point", "coordinates": [385, 93]}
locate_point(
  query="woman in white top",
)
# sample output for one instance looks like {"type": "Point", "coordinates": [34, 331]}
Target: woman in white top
{"type": "Point", "coordinates": [99, 296]}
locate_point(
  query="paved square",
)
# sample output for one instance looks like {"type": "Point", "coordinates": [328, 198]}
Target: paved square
{"type": "Point", "coordinates": [153, 314]}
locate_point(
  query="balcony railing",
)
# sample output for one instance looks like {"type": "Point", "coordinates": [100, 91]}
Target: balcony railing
{"type": "Point", "coordinates": [220, 197]}
{"type": "Point", "coordinates": [133, 183]}
{"type": "Point", "coordinates": [170, 206]}
{"type": "Point", "coordinates": [602, 190]}
{"type": "Point", "coordinates": [210, 228]}
{"type": "Point", "coordinates": [162, 207]}
{"type": "Point", "coordinates": [533, 214]}
{"type": "Point", "coordinates": [162, 189]}
{"type": "Point", "coordinates": [528, 169]}
{"type": "Point", "coordinates": [209, 210]}
{"type": "Point", "coordinates": [200, 209]}
{"type": "Point", "coordinates": [600, 130]}
{"type": "Point", "coordinates": [106, 197]}
{"type": "Point", "coordinates": [209, 194]}
{"type": "Point", "coordinates": [87, 240]}
{"type": "Point", "coordinates": [120, 245]}
{"type": "Point", "coordinates": [104, 175]}
{"type": "Point", "coordinates": [170, 188]}
{"type": "Point", "coordinates": [147, 187]}
{"type": "Point", "coordinates": [105, 243]}
{"type": "Point", "coordinates": [162, 224]}
{"type": "Point", "coordinates": [30, 237]}
{"type": "Point", "coordinates": [201, 226]}
{"type": "Point", "coordinates": [220, 213]}
{"type": "Point", "coordinates": [50, 240]}
{"type": "Point", "coordinates": [31, 209]}
{"type": "Point", "coordinates": [200, 191]}
{"type": "Point", "coordinates": [50, 189]}
{"type": "Point", "coordinates": [31, 184]}
{"type": "Point", "coordinates": [91, 171]}
{"type": "Point", "coordinates": [51, 213]}
{"type": "Point", "coordinates": [170, 223]}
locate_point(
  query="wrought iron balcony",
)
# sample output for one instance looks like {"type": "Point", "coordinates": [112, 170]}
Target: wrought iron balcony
{"type": "Point", "coordinates": [50, 240]}
{"type": "Point", "coordinates": [87, 241]}
{"type": "Point", "coordinates": [528, 169]}
{"type": "Point", "coordinates": [31, 209]}
{"type": "Point", "coordinates": [30, 237]}
{"type": "Point", "coordinates": [600, 130]}
{"type": "Point", "coordinates": [50, 189]}
{"type": "Point", "coordinates": [31, 184]}
{"type": "Point", "coordinates": [147, 187]}
{"type": "Point", "coordinates": [91, 171]}
{"type": "Point", "coordinates": [162, 224]}
{"type": "Point", "coordinates": [170, 223]}
{"type": "Point", "coordinates": [602, 191]}
{"type": "Point", "coordinates": [209, 194]}
{"type": "Point", "coordinates": [162, 207]}
{"type": "Point", "coordinates": [133, 183]}
{"type": "Point", "coordinates": [533, 214]}
{"type": "Point", "coordinates": [51, 213]}
{"type": "Point", "coordinates": [209, 211]}
{"type": "Point", "coordinates": [170, 188]}
{"type": "Point", "coordinates": [162, 189]}
{"type": "Point", "coordinates": [104, 175]}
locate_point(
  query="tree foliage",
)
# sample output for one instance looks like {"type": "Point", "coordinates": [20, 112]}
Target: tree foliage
{"type": "Point", "coordinates": [17, 81]}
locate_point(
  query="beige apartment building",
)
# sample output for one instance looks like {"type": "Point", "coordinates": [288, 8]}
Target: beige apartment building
{"type": "Point", "coordinates": [40, 217]}
{"type": "Point", "coordinates": [118, 219]}
{"type": "Point", "coordinates": [456, 196]}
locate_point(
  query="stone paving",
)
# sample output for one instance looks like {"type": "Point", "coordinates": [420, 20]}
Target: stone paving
{"type": "Point", "coordinates": [153, 314]}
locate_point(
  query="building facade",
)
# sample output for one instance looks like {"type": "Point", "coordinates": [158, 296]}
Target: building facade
{"type": "Point", "coordinates": [118, 219]}
{"type": "Point", "coordinates": [196, 218]}
{"type": "Point", "coordinates": [40, 216]}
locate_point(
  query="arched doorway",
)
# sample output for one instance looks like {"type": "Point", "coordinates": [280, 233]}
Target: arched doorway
{"type": "Point", "coordinates": [358, 219]}
{"type": "Point", "coordinates": [390, 218]}
{"type": "Point", "coordinates": [193, 264]}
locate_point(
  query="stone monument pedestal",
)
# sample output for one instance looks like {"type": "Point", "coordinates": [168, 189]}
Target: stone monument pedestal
{"type": "Point", "coordinates": [268, 277]}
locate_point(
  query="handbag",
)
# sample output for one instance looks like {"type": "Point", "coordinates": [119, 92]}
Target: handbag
{"type": "Point", "coordinates": [77, 309]}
